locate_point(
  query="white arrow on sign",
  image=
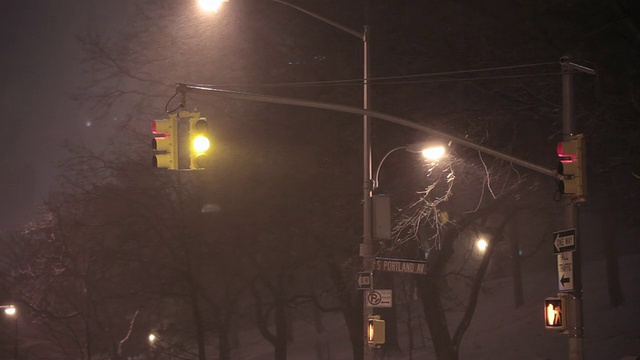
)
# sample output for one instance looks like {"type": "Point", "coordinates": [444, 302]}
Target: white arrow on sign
{"type": "Point", "coordinates": [564, 241]}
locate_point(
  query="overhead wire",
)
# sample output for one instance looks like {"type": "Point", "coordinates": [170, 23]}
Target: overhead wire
{"type": "Point", "coordinates": [389, 79]}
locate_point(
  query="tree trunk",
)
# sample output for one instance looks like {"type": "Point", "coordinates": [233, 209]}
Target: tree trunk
{"type": "Point", "coordinates": [352, 310]}
{"type": "Point", "coordinates": [197, 320]}
{"type": "Point", "coordinates": [436, 319]}
{"type": "Point", "coordinates": [280, 345]}
{"type": "Point", "coordinates": [473, 296]}
{"type": "Point", "coordinates": [224, 346]}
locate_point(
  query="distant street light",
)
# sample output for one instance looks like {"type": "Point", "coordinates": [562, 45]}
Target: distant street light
{"type": "Point", "coordinates": [159, 343]}
{"type": "Point", "coordinates": [482, 245]}
{"type": "Point", "coordinates": [11, 311]}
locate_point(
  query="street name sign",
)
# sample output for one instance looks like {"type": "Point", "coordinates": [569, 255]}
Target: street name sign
{"type": "Point", "coordinates": [365, 280]}
{"type": "Point", "coordinates": [379, 298]}
{"type": "Point", "coordinates": [565, 271]}
{"type": "Point", "coordinates": [564, 241]}
{"type": "Point", "coordinates": [401, 265]}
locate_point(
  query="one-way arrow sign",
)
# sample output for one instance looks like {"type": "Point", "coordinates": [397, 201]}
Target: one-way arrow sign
{"type": "Point", "coordinates": [564, 241]}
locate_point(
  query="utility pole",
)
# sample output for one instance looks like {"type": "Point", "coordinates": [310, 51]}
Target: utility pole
{"type": "Point", "coordinates": [575, 318]}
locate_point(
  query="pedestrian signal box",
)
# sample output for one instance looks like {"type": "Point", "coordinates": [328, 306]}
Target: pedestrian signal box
{"type": "Point", "coordinates": [375, 331]}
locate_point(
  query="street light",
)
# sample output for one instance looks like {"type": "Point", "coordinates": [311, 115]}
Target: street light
{"type": "Point", "coordinates": [169, 348]}
{"type": "Point", "coordinates": [10, 310]}
{"type": "Point", "coordinates": [429, 151]}
{"type": "Point", "coordinates": [366, 248]}
{"type": "Point", "coordinates": [482, 245]}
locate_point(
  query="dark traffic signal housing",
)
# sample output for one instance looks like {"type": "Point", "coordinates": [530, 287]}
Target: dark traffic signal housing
{"type": "Point", "coordinates": [572, 167]}
{"type": "Point", "coordinates": [165, 143]}
{"type": "Point", "coordinates": [180, 142]}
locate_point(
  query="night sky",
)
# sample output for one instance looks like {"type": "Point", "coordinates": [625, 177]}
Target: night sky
{"type": "Point", "coordinates": [41, 72]}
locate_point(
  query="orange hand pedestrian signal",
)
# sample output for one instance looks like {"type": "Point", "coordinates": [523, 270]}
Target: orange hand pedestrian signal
{"type": "Point", "coordinates": [554, 313]}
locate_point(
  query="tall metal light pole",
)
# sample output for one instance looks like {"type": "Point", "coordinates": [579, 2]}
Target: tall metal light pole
{"type": "Point", "coordinates": [366, 248]}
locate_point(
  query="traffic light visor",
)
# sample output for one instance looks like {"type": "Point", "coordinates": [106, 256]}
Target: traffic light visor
{"type": "Point", "coordinates": [161, 127]}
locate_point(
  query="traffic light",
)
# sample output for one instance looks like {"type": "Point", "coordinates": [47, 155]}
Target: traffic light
{"type": "Point", "coordinates": [572, 166]}
{"type": "Point", "coordinates": [199, 142]}
{"type": "Point", "coordinates": [165, 143]}
{"type": "Point", "coordinates": [375, 331]}
{"type": "Point", "coordinates": [555, 313]}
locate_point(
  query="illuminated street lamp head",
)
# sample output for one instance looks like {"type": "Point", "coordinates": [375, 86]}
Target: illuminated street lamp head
{"type": "Point", "coordinates": [210, 5]}
{"type": "Point", "coordinates": [11, 310]}
{"type": "Point", "coordinates": [152, 338]}
{"type": "Point", "coordinates": [429, 150]}
{"type": "Point", "coordinates": [433, 153]}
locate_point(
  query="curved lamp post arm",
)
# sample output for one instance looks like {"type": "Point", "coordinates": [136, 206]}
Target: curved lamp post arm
{"type": "Point", "coordinates": [359, 35]}
{"type": "Point", "coordinates": [375, 181]}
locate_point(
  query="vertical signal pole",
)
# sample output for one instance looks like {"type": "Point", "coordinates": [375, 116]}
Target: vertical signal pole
{"type": "Point", "coordinates": [575, 317]}
{"type": "Point", "coordinates": [576, 328]}
{"type": "Point", "coordinates": [366, 250]}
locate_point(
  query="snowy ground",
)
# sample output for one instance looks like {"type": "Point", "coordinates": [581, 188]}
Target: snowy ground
{"type": "Point", "coordinates": [498, 331]}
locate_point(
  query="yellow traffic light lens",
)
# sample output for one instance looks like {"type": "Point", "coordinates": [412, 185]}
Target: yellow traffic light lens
{"type": "Point", "coordinates": [201, 143]}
